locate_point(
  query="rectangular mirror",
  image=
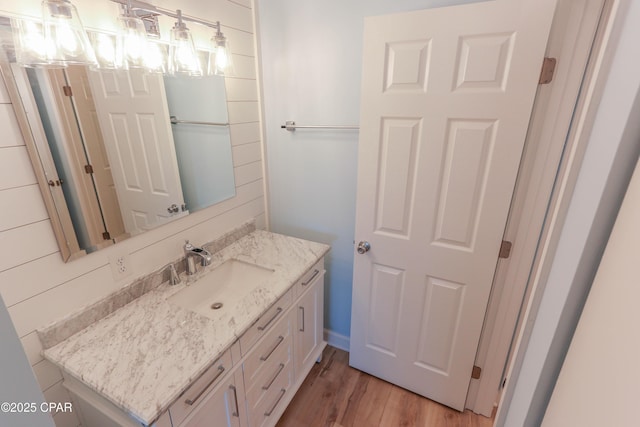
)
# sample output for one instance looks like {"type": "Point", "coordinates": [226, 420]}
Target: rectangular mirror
{"type": "Point", "coordinates": [120, 152]}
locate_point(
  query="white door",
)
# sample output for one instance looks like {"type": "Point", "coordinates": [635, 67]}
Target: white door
{"type": "Point", "coordinates": [446, 99]}
{"type": "Point", "coordinates": [134, 118]}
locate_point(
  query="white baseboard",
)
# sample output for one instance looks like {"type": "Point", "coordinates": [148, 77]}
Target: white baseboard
{"type": "Point", "coordinates": [336, 340]}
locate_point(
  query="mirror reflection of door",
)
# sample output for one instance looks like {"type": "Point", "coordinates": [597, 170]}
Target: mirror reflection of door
{"type": "Point", "coordinates": [93, 143]}
{"type": "Point", "coordinates": [133, 114]}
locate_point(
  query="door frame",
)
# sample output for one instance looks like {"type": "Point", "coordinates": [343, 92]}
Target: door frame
{"type": "Point", "coordinates": [515, 284]}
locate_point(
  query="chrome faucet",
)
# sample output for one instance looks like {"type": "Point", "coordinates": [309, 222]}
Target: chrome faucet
{"type": "Point", "coordinates": [193, 252]}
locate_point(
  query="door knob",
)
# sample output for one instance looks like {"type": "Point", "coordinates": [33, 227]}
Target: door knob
{"type": "Point", "coordinates": [363, 247]}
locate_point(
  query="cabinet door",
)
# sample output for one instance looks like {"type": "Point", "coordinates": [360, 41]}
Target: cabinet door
{"type": "Point", "coordinates": [222, 407]}
{"type": "Point", "coordinates": [309, 328]}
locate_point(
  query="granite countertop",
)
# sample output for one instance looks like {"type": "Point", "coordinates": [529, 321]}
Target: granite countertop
{"type": "Point", "coordinates": [144, 355]}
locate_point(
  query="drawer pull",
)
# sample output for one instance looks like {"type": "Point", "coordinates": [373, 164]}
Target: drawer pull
{"type": "Point", "coordinates": [315, 273]}
{"type": "Point", "coordinates": [190, 402]}
{"type": "Point", "coordinates": [266, 325]}
{"type": "Point", "coordinates": [302, 328]}
{"type": "Point", "coordinates": [235, 399]}
{"type": "Point", "coordinates": [270, 352]}
{"type": "Point", "coordinates": [270, 411]}
{"type": "Point", "coordinates": [280, 368]}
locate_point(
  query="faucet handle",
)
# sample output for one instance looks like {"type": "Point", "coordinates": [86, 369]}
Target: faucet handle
{"type": "Point", "coordinates": [187, 246]}
{"type": "Point", "coordinates": [174, 279]}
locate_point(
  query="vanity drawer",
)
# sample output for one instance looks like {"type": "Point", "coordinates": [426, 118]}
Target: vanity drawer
{"type": "Point", "coordinates": [192, 396]}
{"type": "Point", "coordinates": [267, 350]}
{"type": "Point", "coordinates": [279, 364]}
{"type": "Point", "coordinates": [264, 323]}
{"type": "Point", "coordinates": [307, 279]}
{"type": "Point", "coordinates": [271, 406]}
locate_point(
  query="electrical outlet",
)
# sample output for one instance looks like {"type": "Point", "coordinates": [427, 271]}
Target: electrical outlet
{"type": "Point", "coordinates": [120, 266]}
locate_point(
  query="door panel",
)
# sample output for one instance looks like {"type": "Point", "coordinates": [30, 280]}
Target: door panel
{"type": "Point", "coordinates": [442, 303]}
{"type": "Point", "coordinates": [446, 99]}
{"type": "Point", "coordinates": [468, 147]}
{"type": "Point", "coordinates": [483, 61]}
{"type": "Point", "coordinates": [397, 175]}
{"type": "Point", "coordinates": [384, 315]}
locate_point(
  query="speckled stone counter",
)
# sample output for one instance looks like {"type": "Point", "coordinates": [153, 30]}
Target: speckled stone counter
{"type": "Point", "coordinates": [144, 355]}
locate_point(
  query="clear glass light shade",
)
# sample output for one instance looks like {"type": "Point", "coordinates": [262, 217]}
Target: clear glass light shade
{"type": "Point", "coordinates": [108, 51]}
{"type": "Point", "coordinates": [31, 47]}
{"type": "Point", "coordinates": [133, 40]}
{"type": "Point", "coordinates": [155, 58]}
{"type": "Point", "coordinates": [63, 28]}
{"type": "Point", "coordinates": [183, 58]}
{"type": "Point", "coordinates": [220, 59]}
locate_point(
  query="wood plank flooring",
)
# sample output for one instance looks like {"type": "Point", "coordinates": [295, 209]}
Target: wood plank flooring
{"type": "Point", "coordinates": [336, 395]}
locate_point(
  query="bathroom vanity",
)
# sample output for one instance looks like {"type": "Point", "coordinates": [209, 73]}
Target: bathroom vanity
{"type": "Point", "coordinates": [227, 347]}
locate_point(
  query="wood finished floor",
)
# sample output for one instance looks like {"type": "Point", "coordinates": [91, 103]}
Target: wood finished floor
{"type": "Point", "coordinates": [336, 395]}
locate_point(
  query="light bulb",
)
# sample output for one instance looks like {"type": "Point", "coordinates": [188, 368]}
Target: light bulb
{"type": "Point", "coordinates": [108, 51]}
{"type": "Point", "coordinates": [66, 40]}
{"type": "Point", "coordinates": [133, 40]}
{"type": "Point", "coordinates": [155, 57]}
{"type": "Point", "coordinates": [63, 28]}
{"type": "Point", "coordinates": [183, 58]}
{"type": "Point", "coordinates": [220, 60]}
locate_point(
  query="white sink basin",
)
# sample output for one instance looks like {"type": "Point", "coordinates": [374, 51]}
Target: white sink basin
{"type": "Point", "coordinates": [221, 288]}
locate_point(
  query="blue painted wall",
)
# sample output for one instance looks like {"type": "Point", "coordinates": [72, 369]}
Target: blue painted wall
{"type": "Point", "coordinates": [311, 55]}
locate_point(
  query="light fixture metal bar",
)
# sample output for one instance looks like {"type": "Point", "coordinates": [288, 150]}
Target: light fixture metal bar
{"type": "Point", "coordinates": [141, 5]}
{"type": "Point", "coordinates": [176, 121]}
{"type": "Point", "coordinates": [291, 126]}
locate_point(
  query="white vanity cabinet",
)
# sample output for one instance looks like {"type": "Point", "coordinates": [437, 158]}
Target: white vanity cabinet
{"type": "Point", "coordinates": [277, 365]}
{"type": "Point", "coordinates": [252, 382]}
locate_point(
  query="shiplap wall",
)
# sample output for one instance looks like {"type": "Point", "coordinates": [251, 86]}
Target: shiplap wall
{"type": "Point", "coordinates": [38, 288]}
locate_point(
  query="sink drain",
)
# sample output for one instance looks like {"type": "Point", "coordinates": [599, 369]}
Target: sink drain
{"type": "Point", "coordinates": [216, 305]}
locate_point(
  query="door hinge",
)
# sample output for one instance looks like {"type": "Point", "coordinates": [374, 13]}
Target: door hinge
{"type": "Point", "coordinates": [475, 373]}
{"type": "Point", "coordinates": [548, 68]}
{"type": "Point", "coordinates": [106, 235]}
{"type": "Point", "coordinates": [505, 249]}
{"type": "Point", "coordinates": [88, 169]}
{"type": "Point", "coordinates": [67, 91]}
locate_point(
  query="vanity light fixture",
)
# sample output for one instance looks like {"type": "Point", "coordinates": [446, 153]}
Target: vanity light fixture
{"type": "Point", "coordinates": [132, 38]}
{"type": "Point", "coordinates": [183, 57]}
{"type": "Point", "coordinates": [155, 58]}
{"type": "Point", "coordinates": [60, 40]}
{"type": "Point", "coordinates": [220, 59]}
{"type": "Point", "coordinates": [64, 31]}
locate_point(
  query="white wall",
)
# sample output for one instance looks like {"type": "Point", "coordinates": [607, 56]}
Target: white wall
{"type": "Point", "coordinates": [311, 54]}
{"type": "Point", "coordinates": [17, 383]}
{"type": "Point", "coordinates": [36, 285]}
{"type": "Point", "coordinates": [601, 370]}
{"type": "Point", "coordinates": [611, 155]}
